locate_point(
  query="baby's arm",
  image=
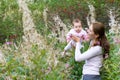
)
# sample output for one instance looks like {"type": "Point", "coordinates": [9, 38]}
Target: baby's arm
{"type": "Point", "coordinates": [85, 37]}
{"type": "Point", "coordinates": [69, 35]}
{"type": "Point", "coordinates": [68, 38]}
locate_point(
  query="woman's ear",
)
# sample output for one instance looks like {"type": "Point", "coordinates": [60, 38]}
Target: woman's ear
{"type": "Point", "coordinates": [97, 35]}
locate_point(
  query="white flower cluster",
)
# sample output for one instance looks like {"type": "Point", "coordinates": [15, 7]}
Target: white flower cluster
{"type": "Point", "coordinates": [115, 26]}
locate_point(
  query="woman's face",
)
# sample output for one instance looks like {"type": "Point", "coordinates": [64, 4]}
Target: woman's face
{"type": "Point", "coordinates": [91, 33]}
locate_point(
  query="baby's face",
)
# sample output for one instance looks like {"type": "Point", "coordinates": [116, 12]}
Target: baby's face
{"type": "Point", "coordinates": [77, 27]}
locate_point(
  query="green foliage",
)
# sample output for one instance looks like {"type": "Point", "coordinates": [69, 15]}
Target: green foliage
{"type": "Point", "coordinates": [69, 9]}
{"type": "Point", "coordinates": [39, 63]}
{"type": "Point", "coordinates": [76, 72]}
{"type": "Point", "coordinates": [11, 24]}
{"type": "Point", "coordinates": [110, 69]}
{"type": "Point", "coordinates": [14, 68]}
{"type": "Point", "coordinates": [111, 66]}
{"type": "Point", "coordinates": [10, 18]}
{"type": "Point", "coordinates": [55, 75]}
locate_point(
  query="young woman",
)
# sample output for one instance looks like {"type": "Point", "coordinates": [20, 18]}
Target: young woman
{"type": "Point", "coordinates": [99, 49]}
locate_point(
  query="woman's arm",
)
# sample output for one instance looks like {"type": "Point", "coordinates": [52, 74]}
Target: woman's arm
{"type": "Point", "coordinates": [91, 52]}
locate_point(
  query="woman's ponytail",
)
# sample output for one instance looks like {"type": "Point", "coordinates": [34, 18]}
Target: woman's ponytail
{"type": "Point", "coordinates": [99, 29]}
{"type": "Point", "coordinates": [105, 45]}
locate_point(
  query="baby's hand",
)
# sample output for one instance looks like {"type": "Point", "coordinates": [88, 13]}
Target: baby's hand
{"type": "Point", "coordinates": [75, 38]}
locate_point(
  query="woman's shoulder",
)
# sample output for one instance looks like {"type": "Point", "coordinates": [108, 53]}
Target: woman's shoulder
{"type": "Point", "coordinates": [97, 48]}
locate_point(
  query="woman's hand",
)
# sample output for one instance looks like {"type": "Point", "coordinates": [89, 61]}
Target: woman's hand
{"type": "Point", "coordinates": [75, 38]}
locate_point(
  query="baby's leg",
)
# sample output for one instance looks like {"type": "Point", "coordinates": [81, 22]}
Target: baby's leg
{"type": "Point", "coordinates": [68, 46]}
{"type": "Point", "coordinates": [73, 44]}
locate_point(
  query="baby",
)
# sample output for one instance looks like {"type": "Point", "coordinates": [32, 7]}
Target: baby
{"type": "Point", "coordinates": [77, 31]}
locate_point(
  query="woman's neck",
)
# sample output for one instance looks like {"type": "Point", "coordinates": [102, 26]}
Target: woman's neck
{"type": "Point", "coordinates": [95, 42]}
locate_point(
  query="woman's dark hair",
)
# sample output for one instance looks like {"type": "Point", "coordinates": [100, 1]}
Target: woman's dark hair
{"type": "Point", "coordinates": [99, 29]}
